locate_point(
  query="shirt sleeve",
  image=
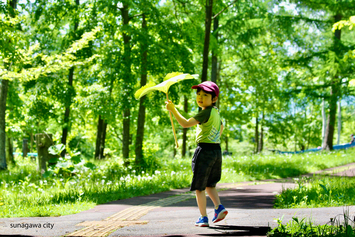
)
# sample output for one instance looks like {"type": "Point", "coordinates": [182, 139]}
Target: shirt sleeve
{"type": "Point", "coordinates": [203, 116]}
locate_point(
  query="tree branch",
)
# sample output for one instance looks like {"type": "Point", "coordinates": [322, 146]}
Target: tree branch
{"type": "Point", "coordinates": [141, 14]}
{"type": "Point", "coordinates": [224, 9]}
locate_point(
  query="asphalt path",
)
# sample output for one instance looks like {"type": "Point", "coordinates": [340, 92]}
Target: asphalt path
{"type": "Point", "coordinates": [173, 213]}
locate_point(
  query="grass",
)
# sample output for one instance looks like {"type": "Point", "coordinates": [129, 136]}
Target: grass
{"type": "Point", "coordinates": [24, 193]}
{"type": "Point", "coordinates": [319, 191]}
{"type": "Point", "coordinates": [260, 167]}
{"type": "Point", "coordinates": [297, 227]}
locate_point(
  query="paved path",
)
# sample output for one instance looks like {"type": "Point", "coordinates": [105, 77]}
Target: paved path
{"type": "Point", "coordinates": [173, 213]}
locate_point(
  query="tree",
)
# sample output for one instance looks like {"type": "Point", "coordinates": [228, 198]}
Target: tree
{"type": "Point", "coordinates": [10, 45]}
{"type": "Point", "coordinates": [208, 22]}
{"type": "Point", "coordinates": [127, 78]}
{"type": "Point", "coordinates": [318, 67]}
{"type": "Point", "coordinates": [143, 82]}
{"type": "Point", "coordinates": [71, 90]}
{"type": "Point", "coordinates": [184, 133]}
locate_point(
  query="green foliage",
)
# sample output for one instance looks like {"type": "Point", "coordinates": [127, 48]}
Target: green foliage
{"type": "Point", "coordinates": [67, 166]}
{"type": "Point", "coordinates": [341, 24]}
{"type": "Point", "coordinates": [80, 143]}
{"type": "Point", "coordinates": [297, 227]}
{"type": "Point", "coordinates": [259, 167]}
{"type": "Point", "coordinates": [50, 63]}
{"type": "Point", "coordinates": [275, 66]}
{"type": "Point", "coordinates": [318, 192]}
{"type": "Point", "coordinates": [24, 192]}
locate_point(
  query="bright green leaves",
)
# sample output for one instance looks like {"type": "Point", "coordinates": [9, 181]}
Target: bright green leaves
{"type": "Point", "coordinates": [351, 24]}
{"type": "Point", "coordinates": [340, 24]}
{"type": "Point", "coordinates": [10, 37]}
{"type": "Point", "coordinates": [138, 93]}
{"type": "Point", "coordinates": [50, 63]}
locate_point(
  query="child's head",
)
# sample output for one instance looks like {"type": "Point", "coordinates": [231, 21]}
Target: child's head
{"type": "Point", "coordinates": [208, 88]}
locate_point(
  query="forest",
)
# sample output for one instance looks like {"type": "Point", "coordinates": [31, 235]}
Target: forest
{"type": "Point", "coordinates": [70, 68]}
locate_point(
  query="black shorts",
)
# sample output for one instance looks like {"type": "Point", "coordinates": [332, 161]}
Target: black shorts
{"type": "Point", "coordinates": [206, 166]}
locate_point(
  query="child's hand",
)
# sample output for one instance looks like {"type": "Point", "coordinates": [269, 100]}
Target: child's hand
{"type": "Point", "coordinates": [169, 105]}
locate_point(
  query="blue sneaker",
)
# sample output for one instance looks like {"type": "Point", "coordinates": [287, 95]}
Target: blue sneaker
{"type": "Point", "coordinates": [219, 214]}
{"type": "Point", "coordinates": [202, 221]}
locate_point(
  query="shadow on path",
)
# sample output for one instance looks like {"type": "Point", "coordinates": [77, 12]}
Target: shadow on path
{"type": "Point", "coordinates": [233, 230]}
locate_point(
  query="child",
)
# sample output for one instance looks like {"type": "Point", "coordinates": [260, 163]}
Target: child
{"type": "Point", "coordinates": [207, 160]}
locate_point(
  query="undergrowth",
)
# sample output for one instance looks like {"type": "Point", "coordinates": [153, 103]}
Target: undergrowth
{"type": "Point", "coordinates": [340, 226]}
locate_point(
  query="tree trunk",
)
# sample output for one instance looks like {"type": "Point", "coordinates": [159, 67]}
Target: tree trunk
{"type": "Point", "coordinates": [324, 116]}
{"type": "Point", "coordinates": [184, 130]}
{"type": "Point", "coordinates": [100, 138]}
{"type": "Point", "coordinates": [3, 96]}
{"type": "Point", "coordinates": [226, 138]}
{"type": "Point", "coordinates": [208, 20]}
{"type": "Point", "coordinates": [66, 126]}
{"type": "Point", "coordinates": [10, 151]}
{"type": "Point", "coordinates": [32, 140]}
{"type": "Point", "coordinates": [339, 121]}
{"type": "Point", "coordinates": [101, 130]}
{"type": "Point", "coordinates": [24, 147]}
{"type": "Point", "coordinates": [329, 134]}
{"type": "Point", "coordinates": [261, 140]}
{"type": "Point", "coordinates": [140, 132]}
{"type": "Point", "coordinates": [67, 111]}
{"type": "Point", "coordinates": [103, 140]}
{"type": "Point", "coordinates": [4, 86]}
{"type": "Point", "coordinates": [141, 110]}
{"type": "Point", "coordinates": [127, 91]}
{"type": "Point", "coordinates": [257, 134]}
{"type": "Point", "coordinates": [309, 129]}
{"type": "Point", "coordinates": [214, 54]}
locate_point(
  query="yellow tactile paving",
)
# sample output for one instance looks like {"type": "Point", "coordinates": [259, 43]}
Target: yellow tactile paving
{"type": "Point", "coordinates": [131, 215]}
{"type": "Point", "coordinates": [126, 217]}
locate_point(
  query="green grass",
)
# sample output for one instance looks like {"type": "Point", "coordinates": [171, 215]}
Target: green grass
{"type": "Point", "coordinates": [297, 227]}
{"type": "Point", "coordinates": [318, 191]}
{"type": "Point", "coordinates": [260, 167]}
{"type": "Point", "coordinates": [23, 192]}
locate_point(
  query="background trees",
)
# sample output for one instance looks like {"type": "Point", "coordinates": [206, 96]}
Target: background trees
{"type": "Point", "coordinates": [274, 62]}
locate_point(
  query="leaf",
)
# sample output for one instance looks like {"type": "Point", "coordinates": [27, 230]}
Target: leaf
{"type": "Point", "coordinates": [90, 165]}
{"type": "Point", "coordinates": [171, 75]}
{"type": "Point", "coordinates": [169, 80]}
{"type": "Point", "coordinates": [76, 159]}
{"type": "Point", "coordinates": [47, 174]}
{"type": "Point", "coordinates": [139, 92]}
{"type": "Point", "coordinates": [53, 160]}
{"type": "Point", "coordinates": [56, 149]}
{"type": "Point", "coordinates": [324, 188]}
{"type": "Point", "coordinates": [63, 164]}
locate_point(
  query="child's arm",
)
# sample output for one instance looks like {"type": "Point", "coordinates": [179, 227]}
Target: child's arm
{"type": "Point", "coordinates": [185, 123]}
{"type": "Point", "coordinates": [221, 129]}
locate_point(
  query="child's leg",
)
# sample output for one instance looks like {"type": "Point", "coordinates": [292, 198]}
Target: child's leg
{"type": "Point", "coordinates": [219, 211]}
{"type": "Point", "coordinates": [213, 194]}
{"type": "Point", "coordinates": [201, 202]}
